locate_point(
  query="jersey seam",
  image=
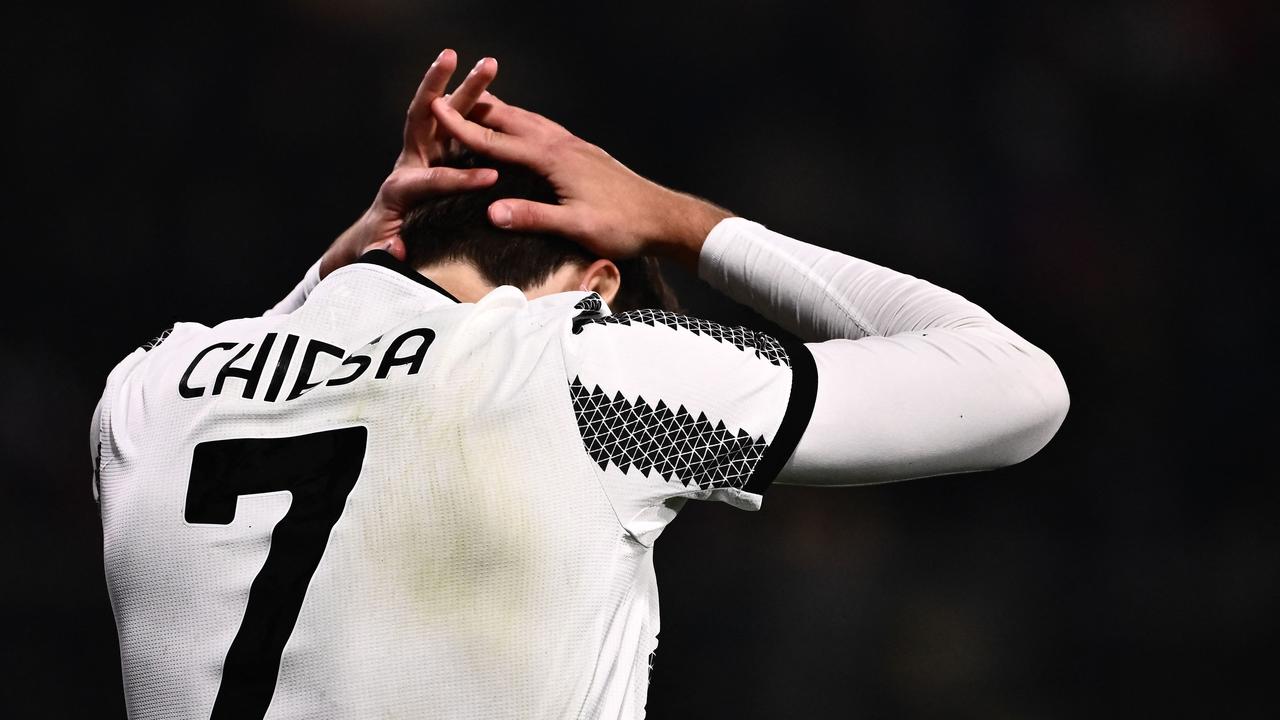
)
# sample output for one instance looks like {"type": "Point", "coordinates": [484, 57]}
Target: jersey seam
{"type": "Point", "coordinates": [596, 472]}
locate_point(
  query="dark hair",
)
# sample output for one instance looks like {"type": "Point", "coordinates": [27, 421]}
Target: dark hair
{"type": "Point", "coordinates": [457, 227]}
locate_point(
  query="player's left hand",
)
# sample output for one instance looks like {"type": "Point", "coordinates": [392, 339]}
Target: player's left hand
{"type": "Point", "coordinates": [415, 175]}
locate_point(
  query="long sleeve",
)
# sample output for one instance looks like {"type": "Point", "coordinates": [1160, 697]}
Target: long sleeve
{"type": "Point", "coordinates": [299, 294]}
{"type": "Point", "coordinates": [913, 380]}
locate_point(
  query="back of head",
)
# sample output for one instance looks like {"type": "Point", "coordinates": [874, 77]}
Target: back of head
{"type": "Point", "coordinates": [457, 228]}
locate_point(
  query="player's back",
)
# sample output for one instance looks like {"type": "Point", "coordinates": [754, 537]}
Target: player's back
{"type": "Point", "coordinates": [376, 506]}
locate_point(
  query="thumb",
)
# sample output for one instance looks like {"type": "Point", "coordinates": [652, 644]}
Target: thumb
{"type": "Point", "coordinates": [529, 216]}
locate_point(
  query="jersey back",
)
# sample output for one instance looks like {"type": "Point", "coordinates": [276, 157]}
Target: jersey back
{"type": "Point", "coordinates": [391, 504]}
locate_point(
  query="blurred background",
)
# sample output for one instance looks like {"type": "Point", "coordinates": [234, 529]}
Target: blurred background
{"type": "Point", "coordinates": [1100, 176]}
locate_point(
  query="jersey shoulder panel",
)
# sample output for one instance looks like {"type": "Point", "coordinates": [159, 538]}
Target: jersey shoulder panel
{"type": "Point", "coordinates": [683, 407]}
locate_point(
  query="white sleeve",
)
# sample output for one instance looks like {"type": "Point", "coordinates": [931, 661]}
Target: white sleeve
{"type": "Point", "coordinates": [299, 294]}
{"type": "Point", "coordinates": [913, 380]}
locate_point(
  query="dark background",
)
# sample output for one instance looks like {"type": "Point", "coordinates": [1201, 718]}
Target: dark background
{"type": "Point", "coordinates": [1101, 176]}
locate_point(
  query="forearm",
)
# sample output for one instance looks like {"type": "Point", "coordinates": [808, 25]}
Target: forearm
{"type": "Point", "coordinates": [820, 294]}
{"type": "Point", "coordinates": [914, 380]}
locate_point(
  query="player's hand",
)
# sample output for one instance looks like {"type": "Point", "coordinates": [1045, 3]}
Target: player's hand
{"type": "Point", "coordinates": [604, 206]}
{"type": "Point", "coordinates": [415, 176]}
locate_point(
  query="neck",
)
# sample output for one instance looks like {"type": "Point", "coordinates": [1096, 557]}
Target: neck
{"type": "Point", "coordinates": [461, 279]}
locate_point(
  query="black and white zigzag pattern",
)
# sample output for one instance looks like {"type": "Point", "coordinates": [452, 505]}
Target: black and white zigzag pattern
{"type": "Point", "coordinates": [655, 438]}
{"type": "Point", "coordinates": [765, 346]}
{"type": "Point", "coordinates": [590, 303]}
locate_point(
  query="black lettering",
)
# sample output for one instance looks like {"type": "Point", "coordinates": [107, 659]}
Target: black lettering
{"type": "Point", "coordinates": [184, 387]}
{"type": "Point", "coordinates": [250, 375]}
{"type": "Point", "coordinates": [314, 348]}
{"type": "Point", "coordinates": [414, 361]}
{"type": "Point", "coordinates": [361, 362]}
{"type": "Point", "coordinates": [282, 367]}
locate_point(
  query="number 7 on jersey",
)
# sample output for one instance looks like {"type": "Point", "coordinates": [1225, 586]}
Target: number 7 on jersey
{"type": "Point", "coordinates": [319, 470]}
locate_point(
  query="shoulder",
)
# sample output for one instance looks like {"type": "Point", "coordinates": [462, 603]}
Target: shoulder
{"type": "Point", "coordinates": [158, 346]}
{"type": "Point", "coordinates": [174, 340]}
{"type": "Point", "coordinates": [675, 330]}
{"type": "Point", "coordinates": [578, 301]}
{"type": "Point", "coordinates": [175, 345]}
{"type": "Point", "coordinates": [568, 308]}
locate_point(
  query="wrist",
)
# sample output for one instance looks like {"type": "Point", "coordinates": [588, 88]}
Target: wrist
{"type": "Point", "coordinates": [685, 222]}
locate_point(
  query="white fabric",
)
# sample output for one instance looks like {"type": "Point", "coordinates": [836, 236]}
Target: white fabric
{"type": "Point", "coordinates": [494, 558]}
{"type": "Point", "coordinates": [699, 369]}
{"type": "Point", "coordinates": [913, 380]}
{"type": "Point", "coordinates": [484, 566]}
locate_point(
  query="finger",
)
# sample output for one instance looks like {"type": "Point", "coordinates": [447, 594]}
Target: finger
{"type": "Point", "coordinates": [409, 185]}
{"type": "Point", "coordinates": [420, 123]}
{"type": "Point", "coordinates": [513, 120]}
{"type": "Point", "coordinates": [473, 85]}
{"type": "Point", "coordinates": [487, 141]}
{"type": "Point", "coordinates": [529, 216]}
{"type": "Point", "coordinates": [493, 112]}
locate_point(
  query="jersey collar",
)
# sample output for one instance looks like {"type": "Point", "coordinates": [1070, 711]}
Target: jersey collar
{"type": "Point", "coordinates": [382, 258]}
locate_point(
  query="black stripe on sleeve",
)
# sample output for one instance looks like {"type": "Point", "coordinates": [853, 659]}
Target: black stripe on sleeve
{"type": "Point", "coordinates": [804, 392]}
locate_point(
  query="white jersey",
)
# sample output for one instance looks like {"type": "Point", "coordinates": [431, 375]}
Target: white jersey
{"type": "Point", "coordinates": [388, 504]}
{"type": "Point", "coordinates": [379, 503]}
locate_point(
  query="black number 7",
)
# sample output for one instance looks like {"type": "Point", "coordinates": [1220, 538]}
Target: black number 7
{"type": "Point", "coordinates": [319, 470]}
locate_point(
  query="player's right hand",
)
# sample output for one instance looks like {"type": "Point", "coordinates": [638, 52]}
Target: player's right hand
{"type": "Point", "coordinates": [415, 176]}
{"type": "Point", "coordinates": [604, 206]}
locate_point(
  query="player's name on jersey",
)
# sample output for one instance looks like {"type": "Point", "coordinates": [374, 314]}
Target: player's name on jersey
{"type": "Point", "coordinates": [232, 366]}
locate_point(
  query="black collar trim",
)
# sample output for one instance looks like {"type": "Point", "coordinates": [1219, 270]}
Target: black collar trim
{"type": "Point", "coordinates": [382, 258]}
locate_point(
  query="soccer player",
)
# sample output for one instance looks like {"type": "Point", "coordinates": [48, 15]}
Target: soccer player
{"type": "Point", "coordinates": [414, 491]}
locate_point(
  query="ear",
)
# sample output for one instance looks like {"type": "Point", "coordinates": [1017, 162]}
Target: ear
{"type": "Point", "coordinates": [602, 277]}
